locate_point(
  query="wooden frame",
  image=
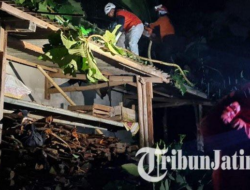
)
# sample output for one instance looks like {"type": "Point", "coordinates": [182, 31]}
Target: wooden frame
{"type": "Point", "coordinates": [17, 26]}
{"type": "Point", "coordinates": [86, 88]}
{"type": "Point", "coordinates": [25, 16]}
{"type": "Point", "coordinates": [143, 83]}
{"type": "Point", "coordinates": [3, 49]}
{"type": "Point", "coordinates": [28, 63]}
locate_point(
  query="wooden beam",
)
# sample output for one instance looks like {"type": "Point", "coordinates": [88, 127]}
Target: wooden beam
{"type": "Point", "coordinates": [77, 124]}
{"type": "Point", "coordinates": [61, 75]}
{"type": "Point", "coordinates": [47, 86]}
{"type": "Point", "coordinates": [125, 61]}
{"type": "Point", "coordinates": [3, 49]}
{"type": "Point", "coordinates": [58, 111]}
{"type": "Point", "coordinates": [149, 94]}
{"type": "Point", "coordinates": [79, 107]}
{"type": "Point", "coordinates": [24, 62]}
{"type": "Point", "coordinates": [145, 112]}
{"type": "Point", "coordinates": [23, 45]}
{"type": "Point", "coordinates": [19, 25]}
{"type": "Point", "coordinates": [140, 111]}
{"type": "Point", "coordinates": [155, 91]}
{"type": "Point", "coordinates": [175, 104]}
{"type": "Point", "coordinates": [133, 79]}
{"type": "Point", "coordinates": [175, 100]}
{"type": "Point", "coordinates": [86, 88]}
{"type": "Point", "coordinates": [25, 16]}
{"type": "Point", "coordinates": [56, 86]}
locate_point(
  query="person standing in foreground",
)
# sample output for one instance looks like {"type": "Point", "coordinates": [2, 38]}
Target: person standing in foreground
{"type": "Point", "coordinates": [130, 24]}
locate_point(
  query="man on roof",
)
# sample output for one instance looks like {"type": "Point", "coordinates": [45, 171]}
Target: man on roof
{"type": "Point", "coordinates": [163, 24]}
{"type": "Point", "coordinates": [163, 33]}
{"type": "Point", "coordinates": [131, 25]}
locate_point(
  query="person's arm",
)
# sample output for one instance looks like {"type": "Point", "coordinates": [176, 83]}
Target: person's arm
{"type": "Point", "coordinates": [120, 20]}
{"type": "Point", "coordinates": [154, 24]}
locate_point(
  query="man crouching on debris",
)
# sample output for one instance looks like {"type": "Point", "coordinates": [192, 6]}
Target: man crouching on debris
{"type": "Point", "coordinates": [131, 25]}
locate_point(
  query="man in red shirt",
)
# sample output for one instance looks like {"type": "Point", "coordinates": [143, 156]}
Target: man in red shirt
{"type": "Point", "coordinates": [131, 26]}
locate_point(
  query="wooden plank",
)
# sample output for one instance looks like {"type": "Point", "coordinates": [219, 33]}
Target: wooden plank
{"type": "Point", "coordinates": [128, 115]}
{"type": "Point", "coordinates": [56, 86]}
{"type": "Point", "coordinates": [59, 111]}
{"type": "Point", "coordinates": [145, 112]}
{"type": "Point", "coordinates": [133, 79]}
{"type": "Point", "coordinates": [99, 112]}
{"type": "Point", "coordinates": [25, 16]}
{"type": "Point", "coordinates": [195, 92]}
{"type": "Point", "coordinates": [168, 105]}
{"type": "Point", "coordinates": [149, 96]}
{"type": "Point", "coordinates": [24, 62]}
{"type": "Point", "coordinates": [19, 25]}
{"type": "Point", "coordinates": [86, 88]}
{"type": "Point", "coordinates": [47, 85]}
{"type": "Point", "coordinates": [140, 111]}
{"type": "Point", "coordinates": [173, 100]}
{"type": "Point", "coordinates": [121, 78]}
{"type": "Point", "coordinates": [79, 107]}
{"type": "Point", "coordinates": [102, 107]}
{"type": "Point", "coordinates": [61, 75]}
{"type": "Point", "coordinates": [15, 43]}
{"type": "Point", "coordinates": [153, 79]}
{"type": "Point", "coordinates": [60, 121]}
{"type": "Point", "coordinates": [145, 69]}
{"type": "Point", "coordinates": [3, 49]}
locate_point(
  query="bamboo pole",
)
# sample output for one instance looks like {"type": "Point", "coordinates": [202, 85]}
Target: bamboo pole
{"type": "Point", "coordinates": [145, 112]}
{"type": "Point", "coordinates": [62, 92]}
{"type": "Point", "coordinates": [140, 111]}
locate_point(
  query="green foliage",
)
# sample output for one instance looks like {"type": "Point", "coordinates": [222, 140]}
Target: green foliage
{"type": "Point", "coordinates": [179, 81]}
{"type": "Point", "coordinates": [85, 32]}
{"type": "Point", "coordinates": [72, 54]}
{"type": "Point", "coordinates": [131, 169]}
{"type": "Point", "coordinates": [110, 41]}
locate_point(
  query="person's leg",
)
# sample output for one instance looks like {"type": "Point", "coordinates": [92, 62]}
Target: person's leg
{"type": "Point", "coordinates": [134, 36]}
{"type": "Point", "coordinates": [121, 41]}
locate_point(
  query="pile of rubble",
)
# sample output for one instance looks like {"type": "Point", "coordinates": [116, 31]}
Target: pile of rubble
{"type": "Point", "coordinates": [44, 155]}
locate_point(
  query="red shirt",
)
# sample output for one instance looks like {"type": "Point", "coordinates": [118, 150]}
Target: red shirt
{"type": "Point", "coordinates": [130, 19]}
